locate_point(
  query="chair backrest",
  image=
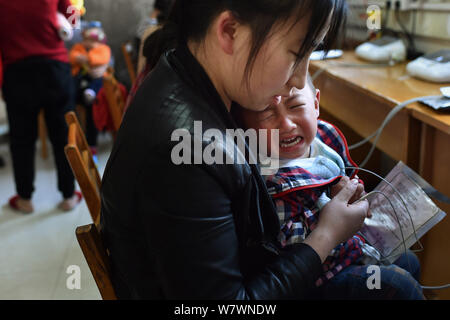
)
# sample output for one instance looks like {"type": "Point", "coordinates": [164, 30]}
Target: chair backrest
{"type": "Point", "coordinates": [115, 98]}
{"type": "Point", "coordinates": [84, 169]}
{"type": "Point", "coordinates": [97, 258]}
{"type": "Point", "coordinates": [127, 50]}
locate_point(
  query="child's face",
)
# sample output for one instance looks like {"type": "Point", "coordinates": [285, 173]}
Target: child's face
{"type": "Point", "coordinates": [296, 118]}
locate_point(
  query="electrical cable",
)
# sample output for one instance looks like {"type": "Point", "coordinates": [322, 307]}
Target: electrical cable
{"type": "Point", "coordinates": [445, 286]}
{"type": "Point", "coordinates": [378, 132]}
{"type": "Point", "coordinates": [386, 19]}
{"type": "Point", "coordinates": [400, 197]}
{"type": "Point", "coordinates": [362, 142]}
{"type": "Point", "coordinates": [398, 221]}
{"type": "Point", "coordinates": [409, 37]}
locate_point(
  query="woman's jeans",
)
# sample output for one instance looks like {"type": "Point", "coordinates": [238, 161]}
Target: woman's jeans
{"type": "Point", "coordinates": [398, 281]}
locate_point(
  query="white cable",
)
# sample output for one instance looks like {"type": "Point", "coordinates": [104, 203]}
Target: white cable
{"type": "Point", "coordinates": [393, 208]}
{"type": "Point", "coordinates": [388, 118]}
{"type": "Point", "coordinates": [401, 231]}
{"type": "Point", "coordinates": [436, 287]}
{"type": "Point", "coordinates": [398, 194]}
{"type": "Point", "coordinates": [398, 220]}
{"type": "Point", "coordinates": [359, 144]}
{"type": "Point", "coordinates": [390, 115]}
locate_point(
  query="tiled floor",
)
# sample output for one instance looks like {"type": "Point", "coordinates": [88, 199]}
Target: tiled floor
{"type": "Point", "coordinates": [37, 249]}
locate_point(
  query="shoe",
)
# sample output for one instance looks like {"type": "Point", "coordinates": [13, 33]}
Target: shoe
{"type": "Point", "coordinates": [70, 203]}
{"type": "Point", "coordinates": [20, 204]}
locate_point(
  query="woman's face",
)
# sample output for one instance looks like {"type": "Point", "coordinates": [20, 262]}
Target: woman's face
{"type": "Point", "coordinates": [275, 71]}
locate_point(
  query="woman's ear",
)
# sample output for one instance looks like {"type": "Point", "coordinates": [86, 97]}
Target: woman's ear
{"type": "Point", "coordinates": [226, 27]}
{"type": "Point", "coordinates": [317, 102]}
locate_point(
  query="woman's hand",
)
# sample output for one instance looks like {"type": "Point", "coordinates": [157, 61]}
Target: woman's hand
{"type": "Point", "coordinates": [339, 220]}
{"type": "Point", "coordinates": [360, 192]}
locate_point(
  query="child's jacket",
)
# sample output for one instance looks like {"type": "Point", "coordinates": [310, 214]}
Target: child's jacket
{"type": "Point", "coordinates": [98, 56]}
{"type": "Point", "coordinates": [299, 193]}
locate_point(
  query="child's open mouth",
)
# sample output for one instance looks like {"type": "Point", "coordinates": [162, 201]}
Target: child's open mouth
{"type": "Point", "coordinates": [290, 142]}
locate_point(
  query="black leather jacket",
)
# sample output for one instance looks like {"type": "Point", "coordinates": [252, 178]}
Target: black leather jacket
{"type": "Point", "coordinates": [191, 231]}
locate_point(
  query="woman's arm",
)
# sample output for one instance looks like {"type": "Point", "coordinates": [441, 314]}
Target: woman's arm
{"type": "Point", "coordinates": [189, 221]}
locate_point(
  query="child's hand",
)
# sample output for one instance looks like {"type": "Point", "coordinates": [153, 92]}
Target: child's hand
{"type": "Point", "coordinates": [338, 220]}
{"type": "Point", "coordinates": [345, 218]}
{"type": "Point", "coordinates": [343, 182]}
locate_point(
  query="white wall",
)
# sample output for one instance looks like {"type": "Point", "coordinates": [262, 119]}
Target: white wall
{"type": "Point", "coordinates": [432, 22]}
{"type": "Point", "coordinates": [120, 19]}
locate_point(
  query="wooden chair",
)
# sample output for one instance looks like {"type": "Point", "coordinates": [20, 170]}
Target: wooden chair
{"type": "Point", "coordinates": [84, 169]}
{"type": "Point", "coordinates": [97, 257]}
{"type": "Point", "coordinates": [89, 236]}
{"type": "Point", "coordinates": [116, 101]}
{"type": "Point", "coordinates": [127, 50]}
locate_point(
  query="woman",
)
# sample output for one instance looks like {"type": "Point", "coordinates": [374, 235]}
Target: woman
{"type": "Point", "coordinates": [36, 76]}
{"type": "Point", "coordinates": [198, 231]}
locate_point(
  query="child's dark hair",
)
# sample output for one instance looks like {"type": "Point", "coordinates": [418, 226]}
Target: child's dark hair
{"type": "Point", "coordinates": [191, 19]}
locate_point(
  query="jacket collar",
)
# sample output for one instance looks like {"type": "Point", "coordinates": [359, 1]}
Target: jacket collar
{"type": "Point", "coordinates": [191, 71]}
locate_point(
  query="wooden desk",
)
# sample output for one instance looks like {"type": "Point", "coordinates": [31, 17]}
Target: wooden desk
{"type": "Point", "coordinates": [418, 135]}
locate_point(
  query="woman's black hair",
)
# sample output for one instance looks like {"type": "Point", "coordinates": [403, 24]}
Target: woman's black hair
{"type": "Point", "coordinates": [164, 8]}
{"type": "Point", "coordinates": [191, 19]}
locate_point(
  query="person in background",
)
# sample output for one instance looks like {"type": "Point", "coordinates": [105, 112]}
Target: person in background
{"type": "Point", "coordinates": [160, 12]}
{"type": "Point", "coordinates": [78, 29]}
{"type": "Point", "coordinates": [158, 16]}
{"type": "Point", "coordinates": [36, 76]}
{"type": "Point", "coordinates": [1, 71]}
{"type": "Point", "coordinates": [79, 4]}
{"type": "Point", "coordinates": [90, 60]}
{"type": "Point", "coordinates": [2, 162]}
